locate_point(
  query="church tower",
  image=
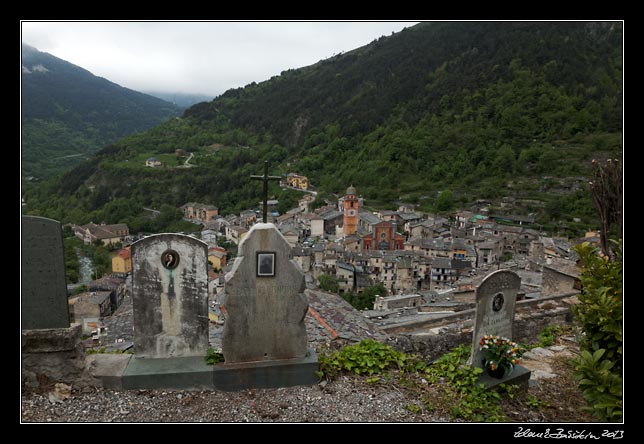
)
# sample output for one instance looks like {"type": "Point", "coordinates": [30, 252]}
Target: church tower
{"type": "Point", "coordinates": [350, 211]}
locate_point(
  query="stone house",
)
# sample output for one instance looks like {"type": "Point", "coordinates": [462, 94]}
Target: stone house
{"type": "Point", "coordinates": [217, 257]}
{"type": "Point", "coordinates": [442, 273]}
{"type": "Point", "coordinates": [195, 211]}
{"type": "Point", "coordinates": [406, 220]}
{"type": "Point", "coordinates": [405, 280]}
{"type": "Point", "coordinates": [122, 262]}
{"type": "Point", "coordinates": [345, 275]}
{"type": "Point", "coordinates": [367, 221]}
{"type": "Point", "coordinates": [296, 181]}
{"type": "Point", "coordinates": [291, 233]}
{"type": "Point", "coordinates": [397, 301]}
{"type": "Point", "coordinates": [303, 258]}
{"type": "Point", "coordinates": [235, 233]}
{"type": "Point", "coordinates": [209, 236]}
{"type": "Point", "coordinates": [95, 304]}
{"type": "Point", "coordinates": [560, 276]}
{"type": "Point", "coordinates": [387, 215]}
{"type": "Point", "coordinates": [107, 234]}
{"type": "Point", "coordinates": [152, 162]}
{"type": "Point", "coordinates": [247, 218]}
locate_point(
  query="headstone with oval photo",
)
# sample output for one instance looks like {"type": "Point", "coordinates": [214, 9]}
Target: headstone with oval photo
{"type": "Point", "coordinates": [495, 306]}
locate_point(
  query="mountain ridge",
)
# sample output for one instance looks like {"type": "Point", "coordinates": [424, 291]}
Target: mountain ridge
{"type": "Point", "coordinates": [439, 114]}
{"type": "Point", "coordinates": [68, 113]}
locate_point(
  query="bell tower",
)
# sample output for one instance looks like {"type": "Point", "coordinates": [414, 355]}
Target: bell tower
{"type": "Point", "coordinates": [350, 211]}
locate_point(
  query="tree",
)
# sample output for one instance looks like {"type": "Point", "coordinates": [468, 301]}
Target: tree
{"type": "Point", "coordinates": [365, 300]}
{"type": "Point", "coordinates": [606, 189]}
{"type": "Point", "coordinates": [445, 201]}
{"type": "Point", "coordinates": [328, 283]}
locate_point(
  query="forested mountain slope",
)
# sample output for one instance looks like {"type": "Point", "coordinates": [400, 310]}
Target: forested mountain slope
{"type": "Point", "coordinates": [440, 115]}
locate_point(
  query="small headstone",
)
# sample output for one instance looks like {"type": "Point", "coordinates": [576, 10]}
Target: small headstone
{"type": "Point", "coordinates": [495, 302]}
{"type": "Point", "coordinates": [264, 301]}
{"type": "Point", "coordinates": [170, 296]}
{"type": "Point", "coordinates": [44, 288]}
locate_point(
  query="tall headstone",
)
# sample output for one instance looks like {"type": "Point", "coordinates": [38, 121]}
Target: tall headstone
{"type": "Point", "coordinates": [264, 301]}
{"type": "Point", "coordinates": [495, 303]}
{"type": "Point", "coordinates": [170, 296]}
{"type": "Point", "coordinates": [44, 287]}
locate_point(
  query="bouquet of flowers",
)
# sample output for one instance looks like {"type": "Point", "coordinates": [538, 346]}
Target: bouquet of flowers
{"type": "Point", "coordinates": [500, 352]}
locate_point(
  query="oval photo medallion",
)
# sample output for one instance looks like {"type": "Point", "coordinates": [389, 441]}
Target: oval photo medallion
{"type": "Point", "coordinates": [170, 259]}
{"type": "Point", "coordinates": [497, 302]}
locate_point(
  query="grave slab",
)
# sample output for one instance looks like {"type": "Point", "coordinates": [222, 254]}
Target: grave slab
{"type": "Point", "coordinates": [520, 376]}
{"type": "Point", "coordinates": [42, 268]}
{"type": "Point", "coordinates": [266, 374]}
{"type": "Point", "coordinates": [181, 373]}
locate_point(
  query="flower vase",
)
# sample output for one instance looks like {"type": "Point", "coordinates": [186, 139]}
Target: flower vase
{"type": "Point", "coordinates": [497, 373]}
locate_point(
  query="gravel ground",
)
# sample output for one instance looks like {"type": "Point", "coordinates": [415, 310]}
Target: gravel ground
{"type": "Point", "coordinates": [346, 399]}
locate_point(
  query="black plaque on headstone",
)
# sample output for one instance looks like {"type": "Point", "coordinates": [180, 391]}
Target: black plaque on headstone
{"type": "Point", "coordinates": [42, 267]}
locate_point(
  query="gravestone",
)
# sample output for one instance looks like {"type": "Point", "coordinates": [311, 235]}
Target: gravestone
{"type": "Point", "coordinates": [264, 301]}
{"type": "Point", "coordinates": [50, 347]}
{"type": "Point", "coordinates": [170, 296]}
{"type": "Point", "coordinates": [44, 287]}
{"type": "Point", "coordinates": [495, 302]}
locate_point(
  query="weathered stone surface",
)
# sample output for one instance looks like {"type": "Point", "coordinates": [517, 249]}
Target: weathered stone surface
{"type": "Point", "coordinates": [495, 304]}
{"type": "Point", "coordinates": [48, 340]}
{"type": "Point", "coordinates": [538, 353]}
{"type": "Point", "coordinates": [542, 374]}
{"type": "Point", "coordinates": [264, 375]}
{"type": "Point", "coordinates": [56, 354]}
{"type": "Point", "coordinates": [183, 373]}
{"type": "Point", "coordinates": [265, 314]}
{"type": "Point", "coordinates": [170, 296]}
{"type": "Point", "coordinates": [107, 368]}
{"type": "Point", "coordinates": [44, 288]}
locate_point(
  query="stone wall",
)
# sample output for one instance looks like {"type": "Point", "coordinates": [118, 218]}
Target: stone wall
{"type": "Point", "coordinates": [530, 319]}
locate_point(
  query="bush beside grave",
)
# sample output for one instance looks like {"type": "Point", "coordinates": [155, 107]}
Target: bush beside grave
{"type": "Point", "coordinates": [599, 368]}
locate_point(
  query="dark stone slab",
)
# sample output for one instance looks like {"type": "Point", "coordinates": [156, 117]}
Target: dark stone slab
{"type": "Point", "coordinates": [269, 374]}
{"type": "Point", "coordinates": [182, 373]}
{"type": "Point", "coordinates": [520, 376]}
{"type": "Point", "coordinates": [42, 267]}
{"type": "Point", "coordinates": [170, 296]}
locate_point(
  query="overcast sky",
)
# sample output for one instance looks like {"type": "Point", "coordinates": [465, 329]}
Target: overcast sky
{"type": "Point", "coordinates": [198, 57]}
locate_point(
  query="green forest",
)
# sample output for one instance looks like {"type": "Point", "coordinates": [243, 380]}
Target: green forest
{"type": "Point", "coordinates": [68, 113]}
{"type": "Point", "coordinates": [439, 115]}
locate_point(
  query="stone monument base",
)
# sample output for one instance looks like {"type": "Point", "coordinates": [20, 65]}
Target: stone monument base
{"type": "Point", "coordinates": [266, 374]}
{"type": "Point", "coordinates": [55, 353]}
{"type": "Point", "coordinates": [184, 373]}
{"type": "Point", "coordinates": [519, 376]}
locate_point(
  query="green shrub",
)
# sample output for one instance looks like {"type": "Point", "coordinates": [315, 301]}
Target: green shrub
{"type": "Point", "coordinates": [469, 398]}
{"type": "Point", "coordinates": [213, 357]}
{"type": "Point", "coordinates": [601, 387]}
{"type": "Point", "coordinates": [547, 335]}
{"type": "Point", "coordinates": [599, 368]}
{"type": "Point", "coordinates": [367, 357]}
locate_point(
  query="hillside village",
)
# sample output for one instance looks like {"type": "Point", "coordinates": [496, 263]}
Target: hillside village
{"type": "Point", "coordinates": [426, 263]}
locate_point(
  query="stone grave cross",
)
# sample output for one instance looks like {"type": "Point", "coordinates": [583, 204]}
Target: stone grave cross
{"type": "Point", "coordinates": [265, 178]}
